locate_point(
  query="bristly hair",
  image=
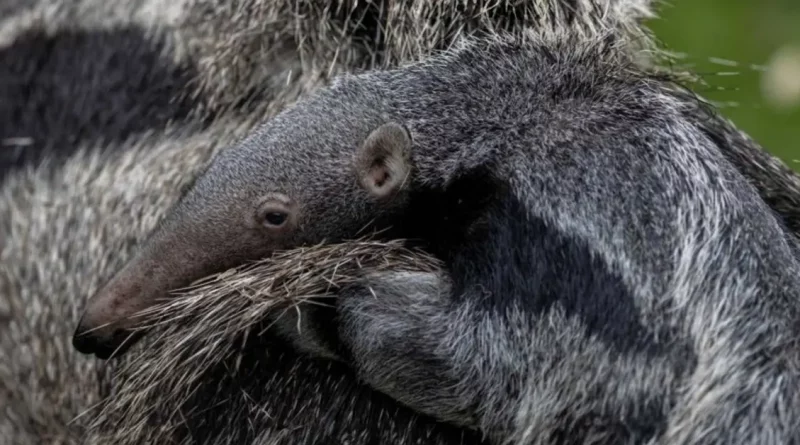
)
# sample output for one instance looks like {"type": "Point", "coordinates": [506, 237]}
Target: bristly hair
{"type": "Point", "coordinates": [326, 36]}
{"type": "Point", "coordinates": [208, 323]}
{"type": "Point", "coordinates": [67, 227]}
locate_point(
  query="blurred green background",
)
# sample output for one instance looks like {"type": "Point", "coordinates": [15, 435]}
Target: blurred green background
{"type": "Point", "coordinates": [747, 53]}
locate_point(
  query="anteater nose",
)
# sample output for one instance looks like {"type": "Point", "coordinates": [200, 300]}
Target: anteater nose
{"type": "Point", "coordinates": [102, 343]}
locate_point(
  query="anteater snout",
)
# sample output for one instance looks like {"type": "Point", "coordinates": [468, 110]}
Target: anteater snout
{"type": "Point", "coordinates": [103, 343]}
{"type": "Point", "coordinates": [108, 324]}
{"type": "Point", "coordinates": [115, 317]}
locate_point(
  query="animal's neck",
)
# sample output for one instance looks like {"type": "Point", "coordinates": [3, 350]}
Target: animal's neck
{"type": "Point", "coordinates": [439, 219]}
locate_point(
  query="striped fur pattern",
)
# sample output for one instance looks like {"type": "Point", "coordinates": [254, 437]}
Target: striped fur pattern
{"type": "Point", "coordinates": [170, 83]}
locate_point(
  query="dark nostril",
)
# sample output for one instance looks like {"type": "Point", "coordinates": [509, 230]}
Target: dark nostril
{"type": "Point", "coordinates": [103, 347]}
{"type": "Point", "coordinates": [87, 342]}
{"type": "Point", "coordinates": [104, 351]}
{"type": "Point", "coordinates": [83, 341]}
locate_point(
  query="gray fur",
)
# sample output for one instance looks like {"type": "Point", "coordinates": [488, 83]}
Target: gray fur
{"type": "Point", "coordinates": [66, 228]}
{"type": "Point", "coordinates": [709, 267]}
{"type": "Point", "coordinates": [653, 197]}
{"type": "Point", "coordinates": [65, 86]}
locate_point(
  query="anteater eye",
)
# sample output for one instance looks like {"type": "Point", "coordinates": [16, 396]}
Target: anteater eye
{"type": "Point", "coordinates": [276, 212]}
{"type": "Point", "coordinates": [275, 218]}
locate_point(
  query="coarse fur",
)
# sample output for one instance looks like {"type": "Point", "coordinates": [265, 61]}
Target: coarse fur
{"type": "Point", "coordinates": [191, 44]}
{"type": "Point", "coordinates": [88, 73]}
{"type": "Point", "coordinates": [68, 223]}
{"type": "Point", "coordinates": [670, 290]}
{"type": "Point", "coordinates": [663, 314]}
{"type": "Point", "coordinates": [353, 36]}
{"type": "Point", "coordinates": [202, 332]}
{"type": "Point", "coordinates": [67, 228]}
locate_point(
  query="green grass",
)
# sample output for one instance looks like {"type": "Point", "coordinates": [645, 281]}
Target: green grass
{"type": "Point", "coordinates": [747, 32]}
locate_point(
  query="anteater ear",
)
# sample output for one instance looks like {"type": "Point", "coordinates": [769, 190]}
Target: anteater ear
{"type": "Point", "coordinates": [383, 162]}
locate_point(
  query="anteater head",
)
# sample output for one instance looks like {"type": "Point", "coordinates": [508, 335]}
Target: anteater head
{"type": "Point", "coordinates": [306, 177]}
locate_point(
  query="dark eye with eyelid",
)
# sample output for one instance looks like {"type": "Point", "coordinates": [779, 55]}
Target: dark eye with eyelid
{"type": "Point", "coordinates": [276, 213]}
{"type": "Point", "coordinates": [275, 218]}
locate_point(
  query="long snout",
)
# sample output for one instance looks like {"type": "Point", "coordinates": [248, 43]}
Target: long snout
{"type": "Point", "coordinates": [106, 326]}
{"type": "Point", "coordinates": [111, 321]}
{"type": "Point", "coordinates": [205, 233]}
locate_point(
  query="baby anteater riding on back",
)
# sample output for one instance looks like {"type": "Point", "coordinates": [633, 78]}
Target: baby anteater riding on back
{"type": "Point", "coordinates": [610, 277]}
